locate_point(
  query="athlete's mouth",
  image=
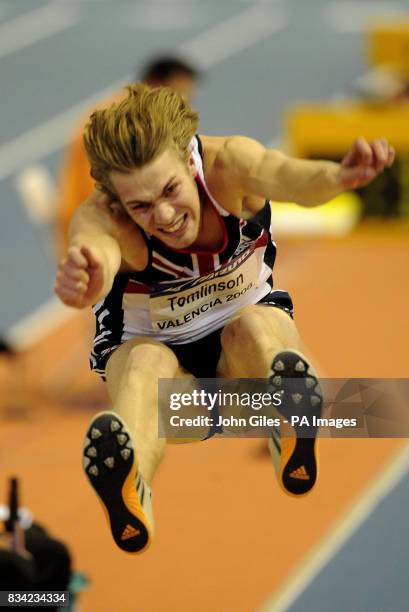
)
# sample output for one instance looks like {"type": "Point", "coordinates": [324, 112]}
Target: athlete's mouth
{"type": "Point", "coordinates": [176, 228]}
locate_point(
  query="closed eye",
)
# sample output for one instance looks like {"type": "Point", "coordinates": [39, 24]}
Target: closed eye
{"type": "Point", "coordinates": [139, 207]}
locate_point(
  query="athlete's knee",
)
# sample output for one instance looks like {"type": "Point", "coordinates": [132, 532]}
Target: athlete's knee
{"type": "Point", "coordinates": [259, 325]}
{"type": "Point", "coordinates": [153, 357]}
{"type": "Point", "coordinates": [249, 324]}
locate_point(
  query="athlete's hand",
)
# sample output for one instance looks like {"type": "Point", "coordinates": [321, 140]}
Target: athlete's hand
{"type": "Point", "coordinates": [80, 278]}
{"type": "Point", "coordinates": [364, 161]}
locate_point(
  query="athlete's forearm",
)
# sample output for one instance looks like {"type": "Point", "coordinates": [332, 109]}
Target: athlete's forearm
{"type": "Point", "coordinates": [91, 228]}
{"type": "Point", "coordinates": [106, 252]}
{"type": "Point", "coordinates": [311, 182]}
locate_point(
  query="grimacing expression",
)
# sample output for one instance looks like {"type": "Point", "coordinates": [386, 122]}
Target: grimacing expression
{"type": "Point", "coordinates": [162, 198]}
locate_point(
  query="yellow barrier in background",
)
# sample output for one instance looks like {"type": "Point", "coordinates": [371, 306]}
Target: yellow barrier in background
{"type": "Point", "coordinates": [388, 43]}
{"type": "Point", "coordinates": [328, 130]}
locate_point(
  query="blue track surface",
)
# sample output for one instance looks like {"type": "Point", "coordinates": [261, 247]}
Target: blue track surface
{"type": "Point", "coordinates": [369, 572]}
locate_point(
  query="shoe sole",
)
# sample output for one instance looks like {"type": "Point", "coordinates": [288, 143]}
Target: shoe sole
{"type": "Point", "coordinates": [292, 376]}
{"type": "Point", "coordinates": [110, 466]}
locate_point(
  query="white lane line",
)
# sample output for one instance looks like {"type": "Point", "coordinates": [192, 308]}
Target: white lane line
{"type": "Point", "coordinates": [38, 193]}
{"type": "Point", "coordinates": [29, 28]}
{"type": "Point", "coordinates": [346, 527]}
{"type": "Point", "coordinates": [166, 17]}
{"type": "Point", "coordinates": [349, 16]}
{"type": "Point", "coordinates": [50, 135]}
{"type": "Point", "coordinates": [38, 324]}
{"type": "Point", "coordinates": [235, 34]}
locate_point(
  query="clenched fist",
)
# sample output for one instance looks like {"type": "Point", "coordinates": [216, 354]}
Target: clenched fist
{"type": "Point", "coordinates": [80, 278]}
{"type": "Point", "coordinates": [364, 161]}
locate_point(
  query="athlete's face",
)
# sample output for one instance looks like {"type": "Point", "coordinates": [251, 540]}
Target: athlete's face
{"type": "Point", "coordinates": [162, 198]}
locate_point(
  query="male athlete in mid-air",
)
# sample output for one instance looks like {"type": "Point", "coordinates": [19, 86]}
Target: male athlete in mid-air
{"type": "Point", "coordinates": [172, 212]}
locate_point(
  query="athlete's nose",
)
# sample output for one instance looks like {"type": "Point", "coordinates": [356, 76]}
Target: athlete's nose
{"type": "Point", "coordinates": [163, 214]}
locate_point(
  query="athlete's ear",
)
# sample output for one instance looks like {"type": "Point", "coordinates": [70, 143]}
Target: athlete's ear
{"type": "Point", "coordinates": [192, 166]}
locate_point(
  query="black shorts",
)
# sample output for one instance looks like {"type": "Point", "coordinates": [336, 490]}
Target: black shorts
{"type": "Point", "coordinates": [201, 357]}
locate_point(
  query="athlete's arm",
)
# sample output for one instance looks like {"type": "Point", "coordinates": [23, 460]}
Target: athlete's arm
{"type": "Point", "coordinates": [274, 176]}
{"type": "Point", "coordinates": [93, 258]}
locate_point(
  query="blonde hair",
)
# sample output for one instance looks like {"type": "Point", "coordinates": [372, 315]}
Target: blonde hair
{"type": "Point", "coordinates": [133, 132]}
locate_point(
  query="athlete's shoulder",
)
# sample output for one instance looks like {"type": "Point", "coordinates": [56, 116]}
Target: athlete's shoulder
{"type": "Point", "coordinates": [233, 155]}
{"type": "Point", "coordinates": [94, 211]}
{"type": "Point", "coordinates": [104, 212]}
{"type": "Point", "coordinates": [211, 147]}
{"type": "Point", "coordinates": [228, 162]}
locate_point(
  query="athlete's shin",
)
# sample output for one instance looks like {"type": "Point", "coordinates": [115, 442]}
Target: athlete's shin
{"type": "Point", "coordinates": [138, 368]}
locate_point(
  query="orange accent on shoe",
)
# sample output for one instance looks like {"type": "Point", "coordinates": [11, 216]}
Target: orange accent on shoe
{"type": "Point", "coordinates": [288, 442]}
{"type": "Point", "coordinates": [129, 532]}
{"type": "Point", "coordinates": [300, 473]}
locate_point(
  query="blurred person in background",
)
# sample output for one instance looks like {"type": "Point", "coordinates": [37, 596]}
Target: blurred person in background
{"type": "Point", "coordinates": [174, 213]}
{"type": "Point", "coordinates": [30, 559]}
{"type": "Point", "coordinates": [75, 182]}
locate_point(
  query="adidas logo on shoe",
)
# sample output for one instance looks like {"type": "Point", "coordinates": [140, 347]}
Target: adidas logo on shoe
{"type": "Point", "coordinates": [294, 455]}
{"type": "Point", "coordinates": [130, 532]}
{"type": "Point", "coordinates": [300, 473]}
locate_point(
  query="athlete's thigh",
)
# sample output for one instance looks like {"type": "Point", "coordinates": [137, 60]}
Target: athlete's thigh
{"type": "Point", "coordinates": [118, 362]}
{"type": "Point", "coordinates": [252, 336]}
{"type": "Point", "coordinates": [184, 382]}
